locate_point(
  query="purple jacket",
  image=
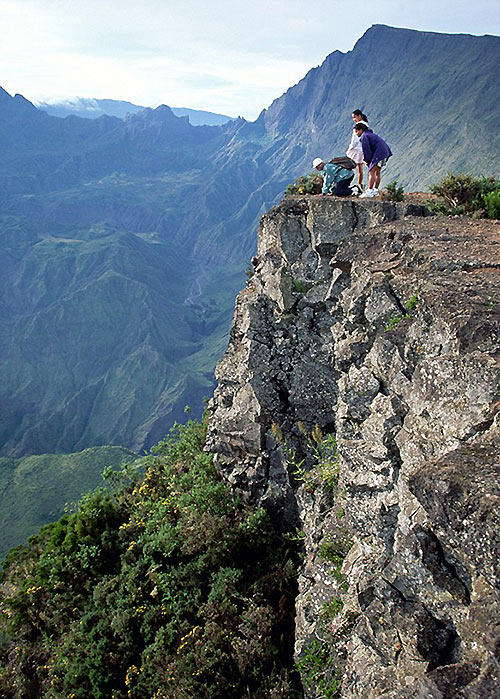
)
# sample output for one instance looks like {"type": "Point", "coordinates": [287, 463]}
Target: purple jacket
{"type": "Point", "coordinates": [375, 148]}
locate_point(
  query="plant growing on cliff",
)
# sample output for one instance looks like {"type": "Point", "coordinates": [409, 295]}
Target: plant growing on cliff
{"type": "Point", "coordinates": [319, 465]}
{"type": "Point", "coordinates": [318, 670]}
{"type": "Point", "coordinates": [300, 286]}
{"type": "Point", "coordinates": [306, 184]}
{"type": "Point", "coordinates": [394, 192]}
{"type": "Point", "coordinates": [166, 585]}
{"type": "Point", "coordinates": [465, 194]}
{"type": "Point", "coordinates": [410, 308]}
{"type": "Point", "coordinates": [333, 549]}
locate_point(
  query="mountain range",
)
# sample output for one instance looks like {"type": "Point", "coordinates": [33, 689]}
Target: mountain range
{"type": "Point", "coordinates": [124, 240]}
{"type": "Point", "coordinates": [94, 108]}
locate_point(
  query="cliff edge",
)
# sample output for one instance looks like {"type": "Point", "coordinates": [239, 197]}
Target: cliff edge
{"type": "Point", "coordinates": [358, 403]}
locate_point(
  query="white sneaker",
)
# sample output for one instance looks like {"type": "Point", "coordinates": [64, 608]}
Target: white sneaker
{"type": "Point", "coordinates": [368, 194]}
{"type": "Point", "coordinates": [375, 192]}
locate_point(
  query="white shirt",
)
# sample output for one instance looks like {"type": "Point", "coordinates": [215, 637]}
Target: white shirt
{"type": "Point", "coordinates": [355, 150]}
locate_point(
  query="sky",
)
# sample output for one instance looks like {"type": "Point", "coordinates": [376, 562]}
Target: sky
{"type": "Point", "coordinates": [232, 57]}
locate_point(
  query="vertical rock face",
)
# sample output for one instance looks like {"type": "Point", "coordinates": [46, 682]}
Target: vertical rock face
{"type": "Point", "coordinates": [379, 325]}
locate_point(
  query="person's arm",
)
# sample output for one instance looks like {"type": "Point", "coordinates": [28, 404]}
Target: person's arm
{"type": "Point", "coordinates": [367, 149]}
{"type": "Point", "coordinates": [327, 178]}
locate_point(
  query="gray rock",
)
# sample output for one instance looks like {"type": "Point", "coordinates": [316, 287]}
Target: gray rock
{"type": "Point", "coordinates": [322, 336]}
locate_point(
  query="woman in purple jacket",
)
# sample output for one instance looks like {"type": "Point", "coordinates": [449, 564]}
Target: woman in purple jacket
{"type": "Point", "coordinates": [376, 153]}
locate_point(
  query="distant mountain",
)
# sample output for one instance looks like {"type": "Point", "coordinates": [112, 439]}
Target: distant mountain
{"type": "Point", "coordinates": [123, 241]}
{"type": "Point", "coordinates": [35, 489]}
{"type": "Point", "coordinates": [94, 108]}
{"type": "Point", "coordinates": [199, 117]}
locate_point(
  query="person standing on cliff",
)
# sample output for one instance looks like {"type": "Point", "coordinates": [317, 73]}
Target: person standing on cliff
{"type": "Point", "coordinates": [336, 179]}
{"type": "Point", "coordinates": [376, 153]}
{"type": "Point", "coordinates": [355, 150]}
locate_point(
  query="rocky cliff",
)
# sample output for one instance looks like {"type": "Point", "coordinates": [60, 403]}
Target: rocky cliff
{"type": "Point", "coordinates": [357, 402]}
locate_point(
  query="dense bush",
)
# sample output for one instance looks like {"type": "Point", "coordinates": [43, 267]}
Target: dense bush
{"type": "Point", "coordinates": [465, 194]}
{"type": "Point", "coordinates": [166, 586]}
{"type": "Point", "coordinates": [307, 184]}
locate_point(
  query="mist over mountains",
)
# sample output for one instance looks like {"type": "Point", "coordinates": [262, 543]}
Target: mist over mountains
{"type": "Point", "coordinates": [94, 108]}
{"type": "Point", "coordinates": [123, 241]}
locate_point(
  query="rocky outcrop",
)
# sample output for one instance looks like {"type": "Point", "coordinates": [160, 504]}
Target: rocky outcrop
{"type": "Point", "coordinates": [379, 325]}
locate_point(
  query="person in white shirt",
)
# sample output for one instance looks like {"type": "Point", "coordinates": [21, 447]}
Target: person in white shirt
{"type": "Point", "coordinates": [355, 150]}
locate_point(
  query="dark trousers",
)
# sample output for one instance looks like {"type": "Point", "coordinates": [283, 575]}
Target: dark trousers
{"type": "Point", "coordinates": [342, 187]}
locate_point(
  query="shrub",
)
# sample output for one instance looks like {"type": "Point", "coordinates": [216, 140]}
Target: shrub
{"type": "Point", "coordinates": [464, 194]}
{"type": "Point", "coordinates": [307, 184]}
{"type": "Point", "coordinates": [394, 192]}
{"type": "Point", "coordinates": [318, 670]}
{"type": "Point", "coordinates": [319, 467]}
{"type": "Point", "coordinates": [166, 585]}
{"type": "Point", "coordinates": [492, 203]}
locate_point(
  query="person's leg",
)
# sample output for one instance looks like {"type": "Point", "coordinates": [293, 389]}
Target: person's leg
{"type": "Point", "coordinates": [376, 173]}
{"type": "Point", "coordinates": [342, 188]}
{"type": "Point", "coordinates": [360, 173]}
{"type": "Point", "coordinates": [371, 177]}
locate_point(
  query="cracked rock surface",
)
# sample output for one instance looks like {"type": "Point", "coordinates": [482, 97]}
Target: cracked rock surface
{"type": "Point", "coordinates": [324, 334]}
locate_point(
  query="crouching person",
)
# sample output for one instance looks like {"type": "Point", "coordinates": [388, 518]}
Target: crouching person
{"type": "Point", "coordinates": [336, 179]}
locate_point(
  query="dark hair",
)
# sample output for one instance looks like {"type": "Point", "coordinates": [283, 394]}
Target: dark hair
{"type": "Point", "coordinates": [358, 112]}
{"type": "Point", "coordinates": [361, 127]}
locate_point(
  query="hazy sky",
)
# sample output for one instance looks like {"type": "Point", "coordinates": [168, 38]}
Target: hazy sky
{"type": "Point", "coordinates": [227, 56]}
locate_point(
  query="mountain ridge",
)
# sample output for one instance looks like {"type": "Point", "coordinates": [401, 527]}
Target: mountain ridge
{"type": "Point", "coordinates": [92, 108]}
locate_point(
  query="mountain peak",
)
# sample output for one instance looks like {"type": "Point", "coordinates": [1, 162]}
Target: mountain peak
{"type": "Point", "coordinates": [4, 95]}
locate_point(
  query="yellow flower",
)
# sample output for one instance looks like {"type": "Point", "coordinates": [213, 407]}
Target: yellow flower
{"type": "Point", "coordinates": [131, 673]}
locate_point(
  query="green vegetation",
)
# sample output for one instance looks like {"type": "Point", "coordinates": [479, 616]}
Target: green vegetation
{"type": "Point", "coordinates": [394, 192]}
{"type": "Point", "coordinates": [34, 490]}
{"type": "Point", "coordinates": [164, 586]}
{"type": "Point", "coordinates": [333, 549]}
{"type": "Point", "coordinates": [314, 462]}
{"type": "Point", "coordinates": [300, 286]}
{"type": "Point", "coordinates": [410, 306]}
{"type": "Point", "coordinates": [333, 607]}
{"type": "Point", "coordinates": [319, 467]}
{"type": "Point", "coordinates": [306, 184]}
{"type": "Point", "coordinates": [317, 670]}
{"type": "Point", "coordinates": [321, 664]}
{"type": "Point", "coordinates": [492, 203]}
{"type": "Point", "coordinates": [465, 194]}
